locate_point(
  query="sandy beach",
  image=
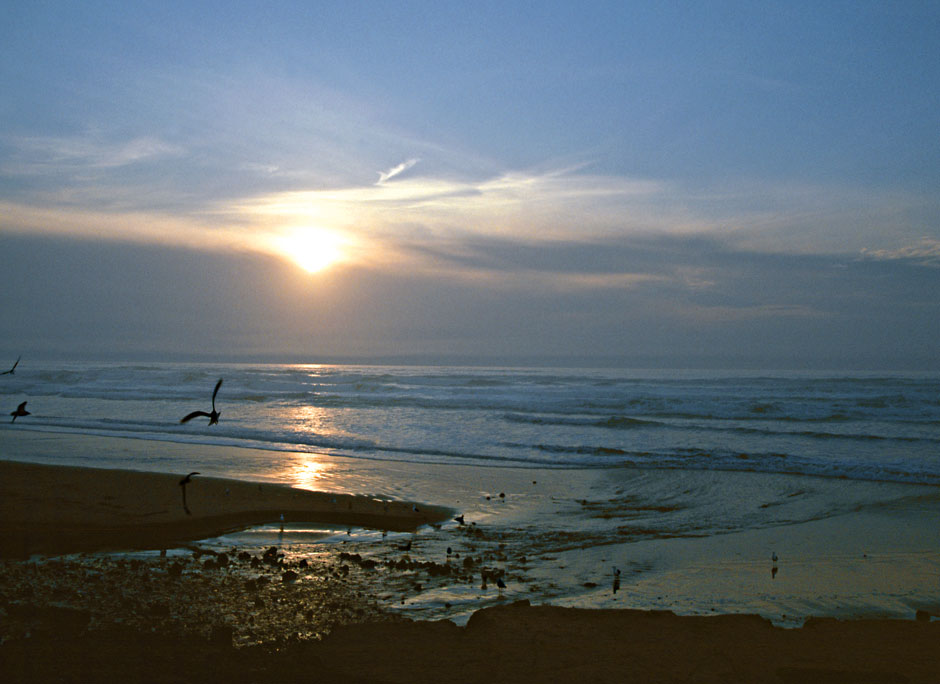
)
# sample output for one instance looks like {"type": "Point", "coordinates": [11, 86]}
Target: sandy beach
{"type": "Point", "coordinates": [344, 607]}
{"type": "Point", "coordinates": [61, 509]}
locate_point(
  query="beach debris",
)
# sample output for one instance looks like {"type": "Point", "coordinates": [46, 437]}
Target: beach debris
{"type": "Point", "coordinates": [182, 483]}
{"type": "Point", "coordinates": [271, 556]}
{"type": "Point", "coordinates": [459, 519]}
{"type": "Point", "coordinates": [20, 411]}
{"type": "Point", "coordinates": [213, 416]}
{"type": "Point", "coordinates": [10, 372]}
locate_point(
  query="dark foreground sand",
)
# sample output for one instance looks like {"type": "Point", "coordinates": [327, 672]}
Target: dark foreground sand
{"type": "Point", "coordinates": [172, 619]}
{"type": "Point", "coordinates": [515, 643]}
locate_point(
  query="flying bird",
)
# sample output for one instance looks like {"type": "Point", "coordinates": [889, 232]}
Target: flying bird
{"type": "Point", "coordinates": [10, 372]}
{"type": "Point", "coordinates": [20, 411]}
{"type": "Point", "coordinates": [214, 416]}
{"type": "Point", "coordinates": [185, 481]}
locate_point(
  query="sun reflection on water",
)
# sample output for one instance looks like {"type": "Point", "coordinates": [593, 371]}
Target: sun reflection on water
{"type": "Point", "coordinates": [308, 470]}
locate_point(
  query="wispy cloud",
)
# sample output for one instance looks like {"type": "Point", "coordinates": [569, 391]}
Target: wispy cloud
{"type": "Point", "coordinates": [925, 251]}
{"type": "Point", "coordinates": [397, 170]}
{"type": "Point", "coordinates": [36, 155]}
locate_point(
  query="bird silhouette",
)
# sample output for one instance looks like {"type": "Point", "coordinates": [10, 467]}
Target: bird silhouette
{"type": "Point", "coordinates": [20, 411]}
{"type": "Point", "coordinates": [185, 481]}
{"type": "Point", "coordinates": [10, 372]}
{"type": "Point", "coordinates": [213, 416]}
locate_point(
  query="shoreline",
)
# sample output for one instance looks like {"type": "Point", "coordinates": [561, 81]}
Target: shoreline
{"type": "Point", "coordinates": [242, 605]}
{"type": "Point", "coordinates": [58, 509]}
{"type": "Point", "coordinates": [848, 549]}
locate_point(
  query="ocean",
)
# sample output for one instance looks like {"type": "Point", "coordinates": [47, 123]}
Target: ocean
{"type": "Point", "coordinates": [883, 427]}
{"type": "Point", "coordinates": [684, 481]}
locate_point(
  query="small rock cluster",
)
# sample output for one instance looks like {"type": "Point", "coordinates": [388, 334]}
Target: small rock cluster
{"type": "Point", "coordinates": [243, 597]}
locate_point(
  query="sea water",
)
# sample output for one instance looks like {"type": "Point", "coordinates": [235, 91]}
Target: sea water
{"type": "Point", "coordinates": [872, 426]}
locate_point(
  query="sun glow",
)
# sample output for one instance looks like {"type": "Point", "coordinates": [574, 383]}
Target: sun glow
{"type": "Point", "coordinates": [313, 249]}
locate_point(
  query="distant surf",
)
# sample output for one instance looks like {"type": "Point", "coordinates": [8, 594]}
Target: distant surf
{"type": "Point", "coordinates": [860, 426]}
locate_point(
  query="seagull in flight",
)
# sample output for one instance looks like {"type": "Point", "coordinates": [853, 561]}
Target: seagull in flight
{"type": "Point", "coordinates": [214, 416]}
{"type": "Point", "coordinates": [20, 411]}
{"type": "Point", "coordinates": [185, 481]}
{"type": "Point", "coordinates": [10, 372]}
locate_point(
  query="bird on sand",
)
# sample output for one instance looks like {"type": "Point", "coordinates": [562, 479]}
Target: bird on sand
{"type": "Point", "coordinates": [214, 415]}
{"type": "Point", "coordinates": [10, 372]}
{"type": "Point", "coordinates": [20, 411]}
{"type": "Point", "coordinates": [185, 481]}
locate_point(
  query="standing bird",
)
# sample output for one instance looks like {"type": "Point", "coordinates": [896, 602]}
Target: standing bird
{"type": "Point", "coordinates": [20, 411]}
{"type": "Point", "coordinates": [10, 372]}
{"type": "Point", "coordinates": [214, 416]}
{"type": "Point", "coordinates": [185, 481]}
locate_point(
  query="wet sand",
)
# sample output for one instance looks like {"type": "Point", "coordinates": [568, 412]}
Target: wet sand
{"type": "Point", "coordinates": [62, 509]}
{"type": "Point", "coordinates": [182, 618]}
{"type": "Point", "coordinates": [262, 613]}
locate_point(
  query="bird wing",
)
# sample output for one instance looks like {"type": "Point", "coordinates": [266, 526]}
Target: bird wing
{"type": "Point", "coordinates": [216, 391]}
{"type": "Point", "coordinates": [195, 414]}
{"type": "Point", "coordinates": [22, 406]}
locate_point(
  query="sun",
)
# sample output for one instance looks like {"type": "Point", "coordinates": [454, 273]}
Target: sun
{"type": "Point", "coordinates": [313, 249]}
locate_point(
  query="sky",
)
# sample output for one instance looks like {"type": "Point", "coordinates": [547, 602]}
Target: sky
{"type": "Point", "coordinates": [720, 184]}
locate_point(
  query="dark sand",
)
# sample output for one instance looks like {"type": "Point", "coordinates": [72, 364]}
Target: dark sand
{"type": "Point", "coordinates": [177, 619]}
{"type": "Point", "coordinates": [515, 643]}
{"type": "Point", "coordinates": [62, 509]}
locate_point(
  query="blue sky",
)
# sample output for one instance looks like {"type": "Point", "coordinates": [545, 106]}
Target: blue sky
{"type": "Point", "coordinates": [640, 183]}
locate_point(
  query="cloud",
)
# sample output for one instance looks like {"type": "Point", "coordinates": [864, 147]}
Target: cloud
{"type": "Point", "coordinates": [38, 155]}
{"type": "Point", "coordinates": [397, 170]}
{"type": "Point", "coordinates": [925, 252]}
